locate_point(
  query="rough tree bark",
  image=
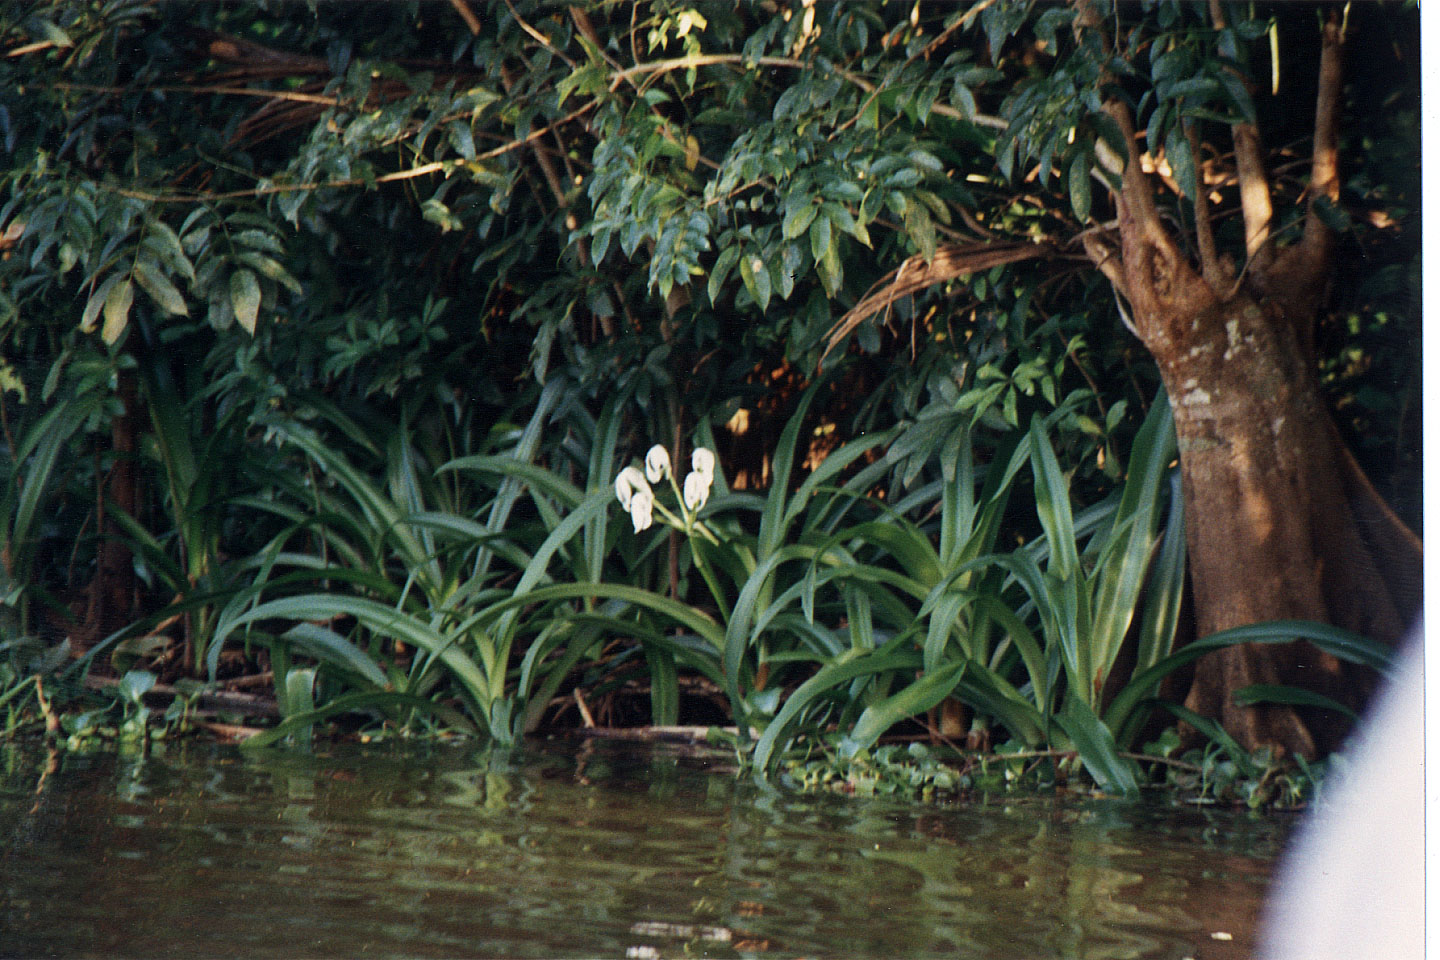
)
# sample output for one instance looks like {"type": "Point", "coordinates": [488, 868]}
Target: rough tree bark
{"type": "Point", "coordinates": [1281, 523]}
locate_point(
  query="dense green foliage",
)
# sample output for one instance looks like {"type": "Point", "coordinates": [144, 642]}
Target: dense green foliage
{"type": "Point", "coordinates": [389, 294]}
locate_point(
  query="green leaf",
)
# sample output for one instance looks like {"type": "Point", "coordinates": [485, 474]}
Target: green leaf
{"type": "Point", "coordinates": [1216, 733]}
{"type": "Point", "coordinates": [1348, 646]}
{"type": "Point", "coordinates": [50, 32]}
{"type": "Point", "coordinates": [160, 289]}
{"type": "Point", "coordinates": [135, 684]}
{"type": "Point", "coordinates": [260, 240]}
{"type": "Point", "coordinates": [723, 265]}
{"type": "Point", "coordinates": [297, 693]}
{"type": "Point", "coordinates": [914, 699]}
{"type": "Point", "coordinates": [271, 269]}
{"type": "Point", "coordinates": [345, 704]}
{"type": "Point", "coordinates": [1052, 503]}
{"type": "Point", "coordinates": [117, 310]}
{"type": "Point", "coordinates": [821, 237]}
{"type": "Point", "coordinates": [245, 298]}
{"type": "Point", "coordinates": [164, 241]}
{"type": "Point", "coordinates": [1182, 165]}
{"type": "Point", "coordinates": [379, 618]}
{"type": "Point", "coordinates": [327, 645]}
{"type": "Point", "coordinates": [1080, 186]}
{"type": "Point", "coordinates": [1096, 747]}
{"type": "Point", "coordinates": [869, 115]}
{"type": "Point", "coordinates": [825, 679]}
{"type": "Point", "coordinates": [434, 211]}
{"type": "Point", "coordinates": [1293, 696]}
{"type": "Point", "coordinates": [798, 219]}
{"type": "Point", "coordinates": [920, 229]}
{"type": "Point", "coordinates": [757, 279]}
{"type": "Point", "coordinates": [91, 314]}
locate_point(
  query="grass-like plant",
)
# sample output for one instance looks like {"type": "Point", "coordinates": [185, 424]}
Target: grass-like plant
{"type": "Point", "coordinates": [31, 469]}
{"type": "Point", "coordinates": [1092, 582]}
{"type": "Point", "coordinates": [408, 620]}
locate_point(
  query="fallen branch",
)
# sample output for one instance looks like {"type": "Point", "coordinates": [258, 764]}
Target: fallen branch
{"type": "Point", "coordinates": [648, 734]}
{"type": "Point", "coordinates": [248, 704]}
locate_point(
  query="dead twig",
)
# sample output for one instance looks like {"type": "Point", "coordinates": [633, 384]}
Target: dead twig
{"type": "Point", "coordinates": [950, 262]}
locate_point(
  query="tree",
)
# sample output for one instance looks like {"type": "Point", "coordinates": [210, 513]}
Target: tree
{"type": "Point", "coordinates": [421, 202]}
{"type": "Point", "coordinates": [1283, 522]}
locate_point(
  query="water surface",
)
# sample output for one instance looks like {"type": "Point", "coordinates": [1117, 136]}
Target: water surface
{"type": "Point", "coordinates": [601, 850]}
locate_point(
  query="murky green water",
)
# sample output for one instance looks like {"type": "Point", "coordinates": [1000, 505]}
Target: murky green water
{"type": "Point", "coordinates": [613, 850]}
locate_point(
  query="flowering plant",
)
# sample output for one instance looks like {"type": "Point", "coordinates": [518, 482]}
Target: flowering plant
{"type": "Point", "coordinates": [637, 497]}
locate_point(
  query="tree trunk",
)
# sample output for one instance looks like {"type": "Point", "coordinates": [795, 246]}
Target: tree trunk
{"type": "Point", "coordinates": [1274, 529]}
{"type": "Point", "coordinates": [1281, 524]}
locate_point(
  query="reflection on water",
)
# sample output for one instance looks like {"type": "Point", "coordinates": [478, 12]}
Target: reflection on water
{"type": "Point", "coordinates": [604, 850]}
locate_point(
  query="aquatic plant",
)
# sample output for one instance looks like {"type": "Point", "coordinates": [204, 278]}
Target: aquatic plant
{"type": "Point", "coordinates": [410, 579]}
{"type": "Point", "coordinates": [1062, 609]}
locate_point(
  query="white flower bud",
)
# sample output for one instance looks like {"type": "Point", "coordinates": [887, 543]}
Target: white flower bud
{"type": "Point", "coordinates": [704, 462]}
{"type": "Point", "coordinates": [630, 482]}
{"type": "Point", "coordinates": [657, 463]}
{"type": "Point", "coordinates": [697, 491]}
{"type": "Point", "coordinates": [641, 507]}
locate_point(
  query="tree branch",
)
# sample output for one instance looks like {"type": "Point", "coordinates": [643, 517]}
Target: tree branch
{"type": "Point", "coordinates": [468, 15]}
{"type": "Point", "coordinates": [1254, 189]}
{"type": "Point", "coordinates": [1250, 169]}
{"type": "Point", "coordinates": [1325, 159]}
{"type": "Point", "coordinates": [1107, 260]}
{"type": "Point", "coordinates": [711, 59]}
{"type": "Point", "coordinates": [558, 188]}
{"type": "Point", "coordinates": [1296, 276]}
{"type": "Point", "coordinates": [1210, 266]}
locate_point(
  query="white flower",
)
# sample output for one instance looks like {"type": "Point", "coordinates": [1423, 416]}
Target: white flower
{"type": "Point", "coordinates": [630, 482]}
{"type": "Point", "coordinates": [657, 463]}
{"type": "Point", "coordinates": [704, 462]}
{"type": "Point", "coordinates": [641, 507]}
{"type": "Point", "coordinates": [697, 490]}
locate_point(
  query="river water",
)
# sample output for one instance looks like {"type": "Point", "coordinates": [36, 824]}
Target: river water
{"type": "Point", "coordinates": [594, 850]}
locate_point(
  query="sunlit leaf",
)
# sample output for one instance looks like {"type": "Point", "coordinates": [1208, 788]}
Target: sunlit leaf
{"type": "Point", "coordinates": [117, 311]}
{"type": "Point", "coordinates": [245, 298]}
{"type": "Point", "coordinates": [160, 289]}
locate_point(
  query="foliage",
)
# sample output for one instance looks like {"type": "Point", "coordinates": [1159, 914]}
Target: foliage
{"type": "Point", "coordinates": [400, 293]}
{"type": "Point", "coordinates": [913, 772]}
{"type": "Point", "coordinates": [1124, 582]}
{"type": "Point", "coordinates": [1204, 775]}
{"type": "Point", "coordinates": [429, 579]}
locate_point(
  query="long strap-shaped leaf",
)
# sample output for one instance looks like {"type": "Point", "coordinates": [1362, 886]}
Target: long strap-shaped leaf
{"type": "Point", "coordinates": [1344, 644]}
{"type": "Point", "coordinates": [524, 452]}
{"type": "Point", "coordinates": [1120, 577]}
{"type": "Point", "coordinates": [683, 614]}
{"type": "Point", "coordinates": [1096, 746]}
{"type": "Point", "coordinates": [384, 516]}
{"type": "Point", "coordinates": [45, 440]}
{"type": "Point", "coordinates": [504, 631]}
{"type": "Point", "coordinates": [846, 668]}
{"type": "Point", "coordinates": [381, 619]}
{"type": "Point", "coordinates": [914, 699]}
{"type": "Point", "coordinates": [775, 517]}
